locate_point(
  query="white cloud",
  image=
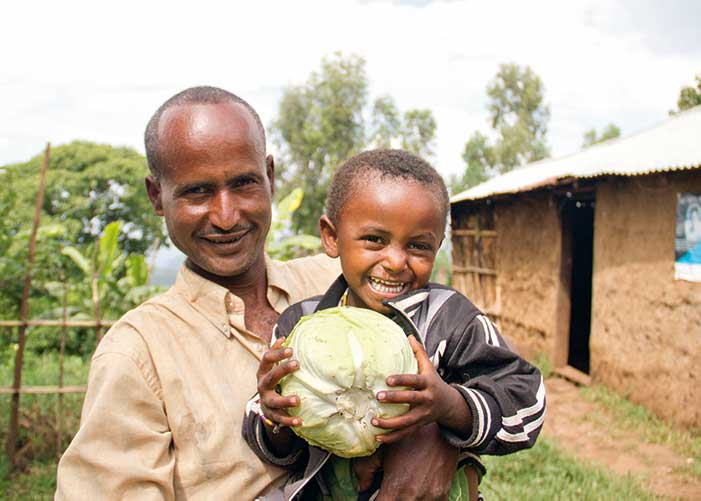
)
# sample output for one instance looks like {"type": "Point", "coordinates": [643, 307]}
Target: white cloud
{"type": "Point", "coordinates": [80, 70]}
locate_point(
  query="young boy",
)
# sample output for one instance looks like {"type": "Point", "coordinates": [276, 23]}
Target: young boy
{"type": "Point", "coordinates": [385, 219]}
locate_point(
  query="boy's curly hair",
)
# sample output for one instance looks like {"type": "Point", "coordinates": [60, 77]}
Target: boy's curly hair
{"type": "Point", "coordinates": [370, 165]}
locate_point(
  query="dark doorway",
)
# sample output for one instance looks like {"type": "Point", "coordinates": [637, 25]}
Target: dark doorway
{"type": "Point", "coordinates": [579, 222]}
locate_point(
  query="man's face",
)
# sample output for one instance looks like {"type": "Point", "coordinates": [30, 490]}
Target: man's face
{"type": "Point", "coordinates": [387, 236]}
{"type": "Point", "coordinates": [215, 188]}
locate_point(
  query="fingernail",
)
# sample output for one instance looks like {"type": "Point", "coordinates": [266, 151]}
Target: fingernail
{"type": "Point", "coordinates": [294, 401]}
{"type": "Point", "coordinates": [375, 422]}
{"type": "Point", "coordinates": [294, 364]}
{"type": "Point", "coordinates": [287, 352]}
{"type": "Point", "coordinates": [390, 381]}
{"type": "Point", "coordinates": [381, 395]}
{"type": "Point", "coordinates": [378, 438]}
{"type": "Point", "coordinates": [297, 422]}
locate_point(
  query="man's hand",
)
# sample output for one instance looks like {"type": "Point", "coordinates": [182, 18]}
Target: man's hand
{"type": "Point", "coordinates": [418, 467]}
{"type": "Point", "coordinates": [432, 400]}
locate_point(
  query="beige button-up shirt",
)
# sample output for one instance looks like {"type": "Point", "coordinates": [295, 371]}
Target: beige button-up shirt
{"type": "Point", "coordinates": [167, 391]}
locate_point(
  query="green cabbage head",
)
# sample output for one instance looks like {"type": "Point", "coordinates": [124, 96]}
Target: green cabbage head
{"type": "Point", "coordinates": [345, 355]}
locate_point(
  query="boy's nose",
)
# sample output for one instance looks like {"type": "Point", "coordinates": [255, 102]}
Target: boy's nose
{"type": "Point", "coordinates": [395, 260]}
{"type": "Point", "coordinates": [223, 211]}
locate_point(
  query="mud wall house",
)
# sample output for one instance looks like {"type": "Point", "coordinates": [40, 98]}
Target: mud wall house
{"type": "Point", "coordinates": [594, 260]}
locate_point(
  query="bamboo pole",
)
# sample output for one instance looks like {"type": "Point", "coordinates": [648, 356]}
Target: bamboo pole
{"type": "Point", "coordinates": [56, 323]}
{"type": "Point", "coordinates": [61, 352]}
{"type": "Point", "coordinates": [42, 390]}
{"type": "Point", "coordinates": [12, 432]}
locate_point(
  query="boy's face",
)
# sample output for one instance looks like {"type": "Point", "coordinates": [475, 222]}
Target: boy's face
{"type": "Point", "coordinates": [387, 236]}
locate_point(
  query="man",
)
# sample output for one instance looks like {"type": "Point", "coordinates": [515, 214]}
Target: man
{"type": "Point", "coordinates": [169, 382]}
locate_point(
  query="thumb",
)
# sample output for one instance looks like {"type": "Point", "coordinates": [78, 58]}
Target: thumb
{"type": "Point", "coordinates": [424, 362]}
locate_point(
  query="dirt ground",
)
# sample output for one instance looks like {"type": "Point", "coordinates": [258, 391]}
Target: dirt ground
{"type": "Point", "coordinates": [588, 431]}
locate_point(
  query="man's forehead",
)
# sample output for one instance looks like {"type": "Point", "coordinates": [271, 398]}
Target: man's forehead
{"type": "Point", "coordinates": [206, 122]}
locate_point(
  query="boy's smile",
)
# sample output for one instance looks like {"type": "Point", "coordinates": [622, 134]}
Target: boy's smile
{"type": "Point", "coordinates": [387, 236]}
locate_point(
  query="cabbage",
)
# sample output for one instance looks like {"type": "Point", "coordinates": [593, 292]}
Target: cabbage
{"type": "Point", "coordinates": [345, 355]}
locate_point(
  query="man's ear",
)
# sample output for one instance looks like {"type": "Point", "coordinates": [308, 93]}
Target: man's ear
{"type": "Point", "coordinates": [153, 189]}
{"type": "Point", "coordinates": [329, 236]}
{"type": "Point", "coordinates": [270, 172]}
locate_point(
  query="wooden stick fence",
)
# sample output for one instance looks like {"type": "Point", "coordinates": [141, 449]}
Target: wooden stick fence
{"type": "Point", "coordinates": [24, 322]}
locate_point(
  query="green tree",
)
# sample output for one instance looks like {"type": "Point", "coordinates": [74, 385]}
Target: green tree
{"type": "Point", "coordinates": [88, 186]}
{"type": "Point", "coordinates": [688, 97]}
{"type": "Point", "coordinates": [518, 117]}
{"type": "Point", "coordinates": [591, 137]}
{"type": "Point", "coordinates": [326, 120]}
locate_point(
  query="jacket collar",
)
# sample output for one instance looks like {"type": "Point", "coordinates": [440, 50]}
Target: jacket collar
{"type": "Point", "coordinates": [401, 305]}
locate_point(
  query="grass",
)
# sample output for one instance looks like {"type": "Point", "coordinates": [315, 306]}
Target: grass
{"type": "Point", "coordinates": [37, 482]}
{"type": "Point", "coordinates": [545, 472]}
{"type": "Point", "coordinates": [634, 417]}
{"type": "Point", "coordinates": [38, 413]}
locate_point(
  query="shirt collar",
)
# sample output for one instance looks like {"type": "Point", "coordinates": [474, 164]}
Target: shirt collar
{"type": "Point", "coordinates": [210, 298]}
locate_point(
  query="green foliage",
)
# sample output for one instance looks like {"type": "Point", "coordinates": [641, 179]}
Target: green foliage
{"type": "Point", "coordinates": [542, 362]}
{"type": "Point", "coordinates": [518, 117]}
{"type": "Point", "coordinates": [88, 186]}
{"type": "Point", "coordinates": [688, 97]}
{"type": "Point", "coordinates": [610, 132]}
{"type": "Point", "coordinates": [545, 472]}
{"type": "Point", "coordinates": [38, 413]}
{"type": "Point", "coordinates": [280, 243]}
{"type": "Point", "coordinates": [323, 122]}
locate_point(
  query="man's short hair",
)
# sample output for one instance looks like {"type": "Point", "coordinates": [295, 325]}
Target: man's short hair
{"type": "Point", "coordinates": [194, 95]}
{"type": "Point", "coordinates": [371, 165]}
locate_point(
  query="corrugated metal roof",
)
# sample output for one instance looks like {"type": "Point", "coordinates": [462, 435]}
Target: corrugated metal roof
{"type": "Point", "coordinates": [674, 144]}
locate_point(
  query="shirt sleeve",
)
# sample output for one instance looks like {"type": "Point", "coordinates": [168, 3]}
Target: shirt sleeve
{"type": "Point", "coordinates": [504, 392]}
{"type": "Point", "coordinates": [123, 447]}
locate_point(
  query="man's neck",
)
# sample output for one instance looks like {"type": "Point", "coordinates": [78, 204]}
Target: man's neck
{"type": "Point", "coordinates": [252, 287]}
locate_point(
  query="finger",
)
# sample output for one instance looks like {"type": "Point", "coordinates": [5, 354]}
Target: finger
{"type": "Point", "coordinates": [416, 381]}
{"type": "Point", "coordinates": [410, 397]}
{"type": "Point", "coordinates": [411, 418]}
{"type": "Point", "coordinates": [422, 358]}
{"type": "Point", "coordinates": [396, 436]}
{"type": "Point", "coordinates": [271, 400]}
{"type": "Point", "coordinates": [272, 357]}
{"type": "Point", "coordinates": [269, 380]}
{"type": "Point", "coordinates": [282, 418]}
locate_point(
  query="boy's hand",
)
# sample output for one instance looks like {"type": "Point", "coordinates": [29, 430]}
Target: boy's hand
{"type": "Point", "coordinates": [430, 398]}
{"type": "Point", "coordinates": [270, 371]}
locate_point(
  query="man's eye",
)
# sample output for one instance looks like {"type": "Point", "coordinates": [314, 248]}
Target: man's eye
{"type": "Point", "coordinates": [195, 190]}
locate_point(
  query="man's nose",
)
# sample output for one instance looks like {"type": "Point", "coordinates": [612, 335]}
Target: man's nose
{"type": "Point", "coordinates": [223, 210]}
{"type": "Point", "coordinates": [395, 259]}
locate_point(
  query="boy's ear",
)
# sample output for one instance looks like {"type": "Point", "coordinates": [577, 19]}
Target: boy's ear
{"type": "Point", "coordinates": [329, 236]}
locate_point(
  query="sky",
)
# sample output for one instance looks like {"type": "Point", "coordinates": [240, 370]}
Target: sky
{"type": "Point", "coordinates": [97, 71]}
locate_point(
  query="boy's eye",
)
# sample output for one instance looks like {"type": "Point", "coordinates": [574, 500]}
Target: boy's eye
{"type": "Point", "coordinates": [373, 239]}
{"type": "Point", "coordinates": [422, 246]}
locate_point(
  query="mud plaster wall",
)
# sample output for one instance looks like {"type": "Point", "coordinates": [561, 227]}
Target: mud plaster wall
{"type": "Point", "coordinates": [646, 327]}
{"type": "Point", "coordinates": [528, 267]}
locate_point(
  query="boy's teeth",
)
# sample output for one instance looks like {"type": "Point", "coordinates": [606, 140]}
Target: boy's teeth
{"type": "Point", "coordinates": [385, 286]}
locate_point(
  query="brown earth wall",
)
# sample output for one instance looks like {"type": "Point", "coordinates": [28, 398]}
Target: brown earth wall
{"type": "Point", "coordinates": [646, 326]}
{"type": "Point", "coordinates": [528, 267]}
